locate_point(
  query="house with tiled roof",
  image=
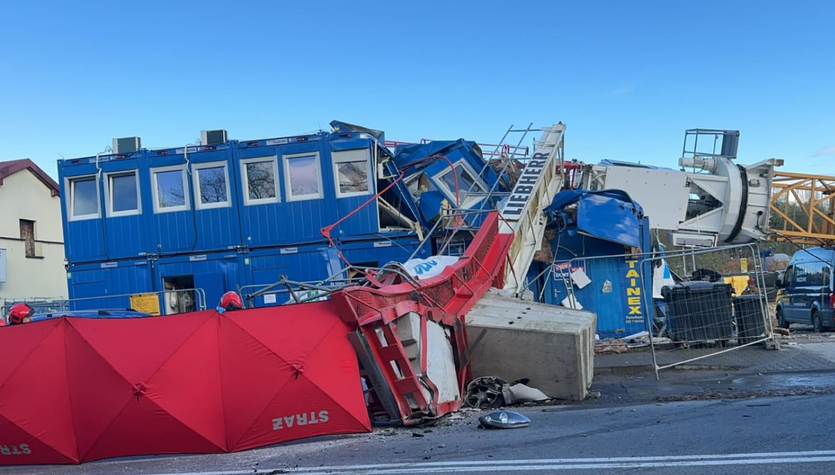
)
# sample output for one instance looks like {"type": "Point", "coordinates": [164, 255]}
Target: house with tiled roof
{"type": "Point", "coordinates": [31, 235]}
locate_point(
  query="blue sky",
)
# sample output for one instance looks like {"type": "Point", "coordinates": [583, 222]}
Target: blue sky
{"type": "Point", "coordinates": [626, 77]}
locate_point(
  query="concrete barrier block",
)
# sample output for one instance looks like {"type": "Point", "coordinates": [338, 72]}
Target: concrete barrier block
{"type": "Point", "coordinates": [514, 339]}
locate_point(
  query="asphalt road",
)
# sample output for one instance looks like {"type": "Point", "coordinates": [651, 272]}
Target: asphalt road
{"type": "Point", "coordinates": [733, 436]}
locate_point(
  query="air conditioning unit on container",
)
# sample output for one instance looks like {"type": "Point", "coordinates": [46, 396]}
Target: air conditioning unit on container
{"type": "Point", "coordinates": [127, 145]}
{"type": "Point", "coordinates": [213, 137]}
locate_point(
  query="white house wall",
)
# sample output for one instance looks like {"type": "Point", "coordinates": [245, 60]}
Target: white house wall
{"type": "Point", "coordinates": [24, 196]}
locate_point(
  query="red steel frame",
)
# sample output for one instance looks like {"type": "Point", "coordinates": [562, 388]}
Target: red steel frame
{"type": "Point", "coordinates": [443, 299]}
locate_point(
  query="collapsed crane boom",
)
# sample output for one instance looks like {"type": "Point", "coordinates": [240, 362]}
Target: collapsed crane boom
{"type": "Point", "coordinates": [803, 208]}
{"type": "Point", "coordinates": [711, 200]}
{"type": "Point", "coordinates": [522, 214]}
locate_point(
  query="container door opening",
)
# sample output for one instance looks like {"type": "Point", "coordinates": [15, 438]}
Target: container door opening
{"type": "Point", "coordinates": [179, 294]}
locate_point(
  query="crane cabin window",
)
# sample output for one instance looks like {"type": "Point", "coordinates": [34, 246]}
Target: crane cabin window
{"type": "Point", "coordinates": [461, 178]}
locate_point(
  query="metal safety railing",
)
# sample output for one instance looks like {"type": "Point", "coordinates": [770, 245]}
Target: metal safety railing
{"type": "Point", "coordinates": [163, 302]}
{"type": "Point", "coordinates": [293, 291]}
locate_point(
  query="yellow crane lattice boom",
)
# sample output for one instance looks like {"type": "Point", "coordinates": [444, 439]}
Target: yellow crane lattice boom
{"type": "Point", "coordinates": [803, 208]}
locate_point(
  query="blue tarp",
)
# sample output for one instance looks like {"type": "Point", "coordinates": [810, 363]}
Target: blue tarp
{"type": "Point", "coordinates": [407, 154]}
{"type": "Point", "coordinates": [606, 214]}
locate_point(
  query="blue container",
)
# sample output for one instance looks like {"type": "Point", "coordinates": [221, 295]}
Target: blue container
{"type": "Point", "coordinates": [108, 284]}
{"type": "Point", "coordinates": [222, 217]}
{"type": "Point", "coordinates": [315, 263]}
{"type": "Point", "coordinates": [352, 157]}
{"type": "Point", "coordinates": [190, 198]}
{"type": "Point", "coordinates": [618, 284]}
{"type": "Point", "coordinates": [213, 273]}
{"type": "Point", "coordinates": [274, 208]}
{"type": "Point", "coordinates": [99, 226]}
{"type": "Point", "coordinates": [379, 252]}
{"type": "Point", "coordinates": [453, 170]}
{"type": "Point", "coordinates": [293, 187]}
{"type": "Point", "coordinates": [196, 199]}
{"type": "Point", "coordinates": [264, 267]}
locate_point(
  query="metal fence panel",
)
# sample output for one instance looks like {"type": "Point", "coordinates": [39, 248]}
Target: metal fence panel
{"type": "Point", "coordinates": [166, 302]}
{"type": "Point", "coordinates": [717, 304]}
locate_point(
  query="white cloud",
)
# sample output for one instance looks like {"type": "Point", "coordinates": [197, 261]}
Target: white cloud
{"type": "Point", "coordinates": [826, 151]}
{"type": "Point", "coordinates": [624, 89]}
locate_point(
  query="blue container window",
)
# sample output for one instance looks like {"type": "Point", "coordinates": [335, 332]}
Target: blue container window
{"type": "Point", "coordinates": [84, 198]}
{"type": "Point", "coordinates": [169, 189]}
{"type": "Point", "coordinates": [211, 185]}
{"type": "Point", "coordinates": [304, 177]}
{"type": "Point", "coordinates": [260, 180]}
{"type": "Point", "coordinates": [123, 194]}
{"type": "Point", "coordinates": [465, 183]}
{"type": "Point", "coordinates": [351, 168]}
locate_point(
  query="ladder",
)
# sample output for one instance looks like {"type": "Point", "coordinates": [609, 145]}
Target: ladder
{"type": "Point", "coordinates": [503, 159]}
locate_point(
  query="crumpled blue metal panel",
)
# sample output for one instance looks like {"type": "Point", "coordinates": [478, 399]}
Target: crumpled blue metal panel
{"type": "Point", "coordinates": [433, 159]}
{"type": "Point", "coordinates": [607, 214]}
{"type": "Point", "coordinates": [405, 156]}
{"type": "Point", "coordinates": [609, 218]}
{"type": "Point", "coordinates": [344, 127]}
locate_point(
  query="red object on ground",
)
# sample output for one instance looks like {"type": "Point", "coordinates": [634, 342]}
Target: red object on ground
{"type": "Point", "coordinates": [75, 389]}
{"type": "Point", "coordinates": [286, 379]}
{"type": "Point", "coordinates": [409, 395]}
{"type": "Point", "coordinates": [35, 416]}
{"type": "Point", "coordinates": [145, 385]}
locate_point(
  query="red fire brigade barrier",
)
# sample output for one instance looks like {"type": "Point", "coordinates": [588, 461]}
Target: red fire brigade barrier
{"type": "Point", "coordinates": [76, 389]}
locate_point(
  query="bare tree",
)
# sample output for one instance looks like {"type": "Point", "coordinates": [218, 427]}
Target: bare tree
{"type": "Point", "coordinates": [212, 185]}
{"type": "Point", "coordinates": [170, 189]}
{"type": "Point", "coordinates": [261, 180]}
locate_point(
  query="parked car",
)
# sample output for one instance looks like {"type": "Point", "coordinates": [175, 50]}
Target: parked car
{"type": "Point", "coordinates": [806, 292]}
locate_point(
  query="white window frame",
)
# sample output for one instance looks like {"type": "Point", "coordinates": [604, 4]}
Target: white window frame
{"type": "Point", "coordinates": [288, 186]}
{"type": "Point", "coordinates": [195, 177]}
{"type": "Point", "coordinates": [71, 203]}
{"type": "Point", "coordinates": [273, 159]}
{"type": "Point", "coordinates": [108, 187]}
{"type": "Point", "coordinates": [348, 159]}
{"type": "Point", "coordinates": [155, 189]}
{"type": "Point", "coordinates": [451, 193]}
